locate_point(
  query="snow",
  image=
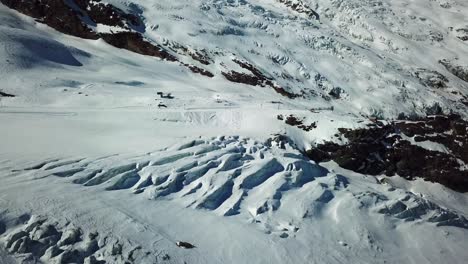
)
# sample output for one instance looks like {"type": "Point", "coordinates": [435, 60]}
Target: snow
{"type": "Point", "coordinates": [84, 143]}
{"type": "Point", "coordinates": [426, 144]}
{"type": "Point", "coordinates": [161, 215]}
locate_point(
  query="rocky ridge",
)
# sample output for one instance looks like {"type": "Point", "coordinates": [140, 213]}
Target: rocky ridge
{"type": "Point", "coordinates": [433, 148]}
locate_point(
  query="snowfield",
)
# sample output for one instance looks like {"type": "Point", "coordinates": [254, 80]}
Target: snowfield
{"type": "Point", "coordinates": [235, 199]}
{"type": "Point", "coordinates": [97, 167]}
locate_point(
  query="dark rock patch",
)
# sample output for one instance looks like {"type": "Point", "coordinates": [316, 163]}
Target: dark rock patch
{"type": "Point", "coordinates": [430, 78]}
{"type": "Point", "coordinates": [256, 72]}
{"type": "Point", "coordinates": [462, 33]}
{"type": "Point", "coordinates": [106, 14]}
{"type": "Point", "coordinates": [244, 78]}
{"type": "Point", "coordinates": [297, 122]}
{"type": "Point", "coordinates": [198, 55]}
{"type": "Point", "coordinates": [56, 14]}
{"type": "Point", "coordinates": [183, 244]}
{"type": "Point", "coordinates": [2, 228]}
{"type": "Point", "coordinates": [255, 78]}
{"type": "Point", "coordinates": [135, 42]}
{"type": "Point", "coordinates": [330, 91]}
{"type": "Point", "coordinates": [3, 94]}
{"type": "Point", "coordinates": [73, 17]}
{"type": "Point", "coordinates": [300, 7]}
{"type": "Point", "coordinates": [383, 150]}
{"type": "Point", "coordinates": [198, 70]}
{"type": "Point", "coordinates": [457, 70]}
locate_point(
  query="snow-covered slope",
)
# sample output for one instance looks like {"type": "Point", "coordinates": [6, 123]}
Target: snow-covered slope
{"type": "Point", "coordinates": [97, 165]}
{"type": "Point", "coordinates": [375, 57]}
{"type": "Point", "coordinates": [236, 199]}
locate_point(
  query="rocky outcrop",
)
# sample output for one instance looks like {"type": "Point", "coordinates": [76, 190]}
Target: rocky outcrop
{"type": "Point", "coordinates": [56, 14]}
{"type": "Point", "coordinates": [202, 56]}
{"type": "Point", "coordinates": [75, 17]}
{"type": "Point", "coordinates": [135, 42]}
{"type": "Point", "coordinates": [80, 17]}
{"type": "Point", "coordinates": [300, 7]}
{"type": "Point", "coordinates": [198, 70]}
{"type": "Point", "coordinates": [404, 148]}
{"type": "Point", "coordinates": [106, 14]}
{"type": "Point", "coordinates": [462, 33]}
{"type": "Point", "coordinates": [297, 122]}
{"type": "Point", "coordinates": [255, 78]}
{"type": "Point", "coordinates": [330, 90]}
{"type": "Point", "coordinates": [430, 78]}
{"type": "Point", "coordinates": [457, 70]}
{"type": "Point", "coordinates": [3, 94]}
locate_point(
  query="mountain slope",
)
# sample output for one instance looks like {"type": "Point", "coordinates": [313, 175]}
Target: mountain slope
{"type": "Point", "coordinates": [256, 131]}
{"type": "Point", "coordinates": [376, 58]}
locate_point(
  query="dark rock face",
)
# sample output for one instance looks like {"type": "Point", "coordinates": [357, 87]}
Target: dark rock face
{"type": "Point", "coordinates": [108, 15]}
{"type": "Point", "coordinates": [77, 13]}
{"type": "Point", "coordinates": [56, 14]}
{"type": "Point", "coordinates": [198, 70]}
{"type": "Point", "coordinates": [135, 42]}
{"type": "Point", "coordinates": [77, 17]}
{"type": "Point", "coordinates": [431, 78]}
{"type": "Point", "coordinates": [297, 122]}
{"type": "Point", "coordinates": [200, 56]}
{"type": "Point", "coordinates": [459, 71]}
{"type": "Point", "coordinates": [330, 93]}
{"type": "Point", "coordinates": [239, 77]}
{"type": "Point", "coordinates": [73, 17]}
{"type": "Point", "coordinates": [2, 228]}
{"type": "Point", "coordinates": [462, 34]}
{"type": "Point", "coordinates": [183, 244]}
{"type": "Point", "coordinates": [383, 150]}
{"type": "Point", "coordinates": [300, 7]}
{"type": "Point", "coordinates": [255, 78]}
{"type": "Point", "coordinates": [3, 94]}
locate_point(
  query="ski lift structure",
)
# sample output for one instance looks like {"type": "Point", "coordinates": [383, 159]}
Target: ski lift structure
{"type": "Point", "coordinates": [165, 96]}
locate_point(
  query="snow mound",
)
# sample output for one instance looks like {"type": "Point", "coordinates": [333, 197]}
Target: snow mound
{"type": "Point", "coordinates": [265, 181]}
